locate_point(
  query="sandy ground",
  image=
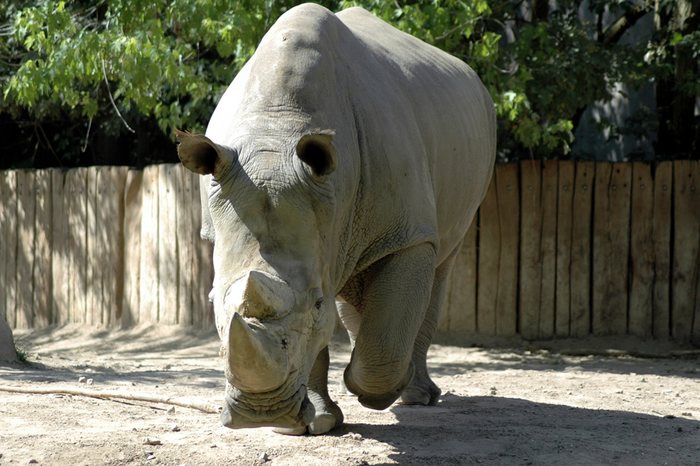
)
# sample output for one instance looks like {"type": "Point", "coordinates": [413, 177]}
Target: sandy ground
{"type": "Point", "coordinates": [520, 406]}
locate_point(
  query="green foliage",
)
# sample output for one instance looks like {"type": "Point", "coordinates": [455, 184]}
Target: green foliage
{"type": "Point", "coordinates": [125, 63]}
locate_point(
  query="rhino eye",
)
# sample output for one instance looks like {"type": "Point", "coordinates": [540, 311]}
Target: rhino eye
{"type": "Point", "coordinates": [319, 303]}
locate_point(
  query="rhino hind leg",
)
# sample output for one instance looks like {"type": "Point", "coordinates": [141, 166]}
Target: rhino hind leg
{"type": "Point", "coordinates": [422, 390]}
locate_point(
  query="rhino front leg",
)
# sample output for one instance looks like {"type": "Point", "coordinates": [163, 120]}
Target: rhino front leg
{"type": "Point", "coordinates": [422, 390]}
{"type": "Point", "coordinates": [328, 414]}
{"type": "Point", "coordinates": [395, 295]}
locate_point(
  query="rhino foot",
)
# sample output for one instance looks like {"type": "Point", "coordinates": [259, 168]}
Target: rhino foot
{"type": "Point", "coordinates": [421, 391]}
{"type": "Point", "coordinates": [328, 416]}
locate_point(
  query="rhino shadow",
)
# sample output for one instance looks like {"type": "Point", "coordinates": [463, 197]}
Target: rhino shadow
{"type": "Point", "coordinates": [499, 430]}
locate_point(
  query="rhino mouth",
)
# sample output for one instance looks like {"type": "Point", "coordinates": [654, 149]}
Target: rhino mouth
{"type": "Point", "coordinates": [244, 410]}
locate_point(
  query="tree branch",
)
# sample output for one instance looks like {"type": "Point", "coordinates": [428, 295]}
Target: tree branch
{"type": "Point", "coordinates": [112, 395]}
{"type": "Point", "coordinates": [614, 32]}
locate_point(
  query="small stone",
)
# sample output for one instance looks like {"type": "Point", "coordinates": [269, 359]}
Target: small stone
{"type": "Point", "coordinates": [152, 441]}
{"type": "Point", "coordinates": [32, 461]}
{"type": "Point", "coordinates": [680, 429]}
{"type": "Point", "coordinates": [171, 410]}
{"type": "Point", "coordinates": [82, 379]}
{"type": "Point", "coordinates": [263, 458]}
{"type": "Point", "coordinates": [687, 414]}
{"type": "Point", "coordinates": [212, 445]}
{"type": "Point", "coordinates": [150, 457]}
{"type": "Point", "coordinates": [671, 449]}
{"type": "Point", "coordinates": [89, 381]}
{"type": "Point", "coordinates": [494, 391]}
{"type": "Point", "coordinates": [174, 428]}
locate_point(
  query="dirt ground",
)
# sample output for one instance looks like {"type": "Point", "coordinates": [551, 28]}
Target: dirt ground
{"type": "Point", "coordinates": [521, 406]}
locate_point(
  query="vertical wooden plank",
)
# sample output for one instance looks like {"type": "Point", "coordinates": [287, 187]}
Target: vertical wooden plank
{"type": "Point", "coordinates": [60, 259]}
{"type": "Point", "coordinates": [5, 210]}
{"type": "Point", "coordinates": [663, 194]}
{"type": "Point", "coordinates": [565, 216]}
{"type": "Point", "coordinates": [203, 270]}
{"type": "Point", "coordinates": [148, 266]}
{"type": "Point", "coordinates": [94, 257]}
{"type": "Point", "coordinates": [530, 248]}
{"type": "Point", "coordinates": [489, 256]}
{"type": "Point", "coordinates": [167, 244]}
{"type": "Point", "coordinates": [41, 272]}
{"type": "Point", "coordinates": [548, 248]}
{"type": "Point", "coordinates": [185, 243]}
{"type": "Point", "coordinates": [611, 248]}
{"type": "Point", "coordinates": [580, 311]}
{"type": "Point", "coordinates": [8, 225]}
{"type": "Point", "coordinates": [641, 251]}
{"type": "Point", "coordinates": [460, 315]}
{"type": "Point", "coordinates": [686, 247]}
{"type": "Point", "coordinates": [132, 247]}
{"type": "Point", "coordinates": [25, 248]}
{"type": "Point", "coordinates": [111, 219]}
{"type": "Point", "coordinates": [77, 242]}
{"type": "Point", "coordinates": [509, 219]}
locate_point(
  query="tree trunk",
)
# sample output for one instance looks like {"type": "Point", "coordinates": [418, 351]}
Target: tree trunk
{"type": "Point", "coordinates": [678, 132]}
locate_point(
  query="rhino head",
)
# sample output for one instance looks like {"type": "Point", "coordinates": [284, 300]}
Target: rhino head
{"type": "Point", "coordinates": [268, 204]}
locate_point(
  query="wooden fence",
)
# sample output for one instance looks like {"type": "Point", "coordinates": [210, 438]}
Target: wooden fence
{"type": "Point", "coordinates": [559, 249]}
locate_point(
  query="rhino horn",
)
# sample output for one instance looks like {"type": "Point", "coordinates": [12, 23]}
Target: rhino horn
{"type": "Point", "coordinates": [255, 362]}
{"type": "Point", "coordinates": [266, 297]}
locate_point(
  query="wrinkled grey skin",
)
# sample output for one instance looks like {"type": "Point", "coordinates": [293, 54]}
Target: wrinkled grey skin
{"type": "Point", "coordinates": [342, 168]}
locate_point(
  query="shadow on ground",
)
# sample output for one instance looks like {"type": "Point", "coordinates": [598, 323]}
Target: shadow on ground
{"type": "Point", "coordinates": [497, 430]}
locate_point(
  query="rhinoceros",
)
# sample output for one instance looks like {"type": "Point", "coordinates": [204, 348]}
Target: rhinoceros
{"type": "Point", "coordinates": [341, 170]}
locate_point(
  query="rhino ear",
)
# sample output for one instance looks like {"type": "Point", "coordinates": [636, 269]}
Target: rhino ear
{"type": "Point", "coordinates": [198, 153]}
{"type": "Point", "coordinates": [317, 152]}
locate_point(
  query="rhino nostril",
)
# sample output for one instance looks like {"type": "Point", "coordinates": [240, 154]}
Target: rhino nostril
{"type": "Point", "coordinates": [284, 343]}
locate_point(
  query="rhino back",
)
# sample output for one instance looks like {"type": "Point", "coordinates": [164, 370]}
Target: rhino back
{"type": "Point", "coordinates": [426, 115]}
{"type": "Point", "coordinates": [415, 130]}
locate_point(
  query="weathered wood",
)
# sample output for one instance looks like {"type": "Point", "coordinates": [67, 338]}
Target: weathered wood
{"type": "Point", "coordinates": [686, 248]}
{"type": "Point", "coordinates": [565, 216]}
{"type": "Point", "coordinates": [530, 248]}
{"type": "Point", "coordinates": [41, 272]}
{"type": "Point", "coordinates": [5, 213]}
{"type": "Point", "coordinates": [663, 215]}
{"type": "Point", "coordinates": [186, 238]}
{"type": "Point", "coordinates": [95, 263]}
{"type": "Point", "coordinates": [548, 249]}
{"type": "Point", "coordinates": [203, 270]}
{"type": "Point", "coordinates": [489, 256]}
{"type": "Point", "coordinates": [641, 251]}
{"type": "Point", "coordinates": [611, 248]}
{"type": "Point", "coordinates": [167, 245]}
{"type": "Point", "coordinates": [112, 187]}
{"type": "Point", "coordinates": [132, 247]}
{"type": "Point", "coordinates": [76, 210]}
{"type": "Point", "coordinates": [580, 249]}
{"type": "Point", "coordinates": [8, 246]}
{"type": "Point", "coordinates": [25, 248]}
{"type": "Point", "coordinates": [60, 258]}
{"type": "Point", "coordinates": [460, 315]}
{"type": "Point", "coordinates": [509, 219]}
{"type": "Point", "coordinates": [149, 291]}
